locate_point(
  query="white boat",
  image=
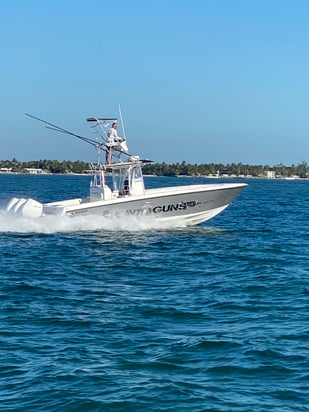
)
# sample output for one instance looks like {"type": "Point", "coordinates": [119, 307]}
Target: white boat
{"type": "Point", "coordinates": [126, 194]}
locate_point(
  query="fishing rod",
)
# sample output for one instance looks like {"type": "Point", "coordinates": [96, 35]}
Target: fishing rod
{"type": "Point", "coordinates": [59, 129]}
{"type": "Point", "coordinates": [92, 142]}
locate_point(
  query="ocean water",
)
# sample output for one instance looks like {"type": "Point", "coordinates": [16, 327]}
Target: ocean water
{"type": "Point", "coordinates": [99, 315]}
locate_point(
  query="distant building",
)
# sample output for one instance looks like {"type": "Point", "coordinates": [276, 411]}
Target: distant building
{"type": "Point", "coordinates": [33, 170]}
{"type": "Point", "coordinates": [224, 172]}
{"type": "Point", "coordinates": [270, 174]}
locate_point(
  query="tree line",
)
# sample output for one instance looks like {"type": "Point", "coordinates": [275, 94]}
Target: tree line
{"type": "Point", "coordinates": [230, 169]}
{"type": "Point", "coordinates": [165, 169]}
{"type": "Point", "coordinates": [49, 166]}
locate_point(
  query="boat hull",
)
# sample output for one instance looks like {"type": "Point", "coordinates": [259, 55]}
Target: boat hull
{"type": "Point", "coordinates": [188, 205]}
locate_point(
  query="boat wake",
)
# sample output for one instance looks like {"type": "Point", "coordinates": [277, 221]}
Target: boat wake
{"type": "Point", "coordinates": [64, 224]}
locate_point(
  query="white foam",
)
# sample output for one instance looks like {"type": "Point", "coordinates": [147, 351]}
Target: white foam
{"type": "Point", "coordinates": [54, 224]}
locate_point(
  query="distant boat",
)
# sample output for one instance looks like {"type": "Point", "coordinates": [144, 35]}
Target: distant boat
{"type": "Point", "coordinates": [127, 195]}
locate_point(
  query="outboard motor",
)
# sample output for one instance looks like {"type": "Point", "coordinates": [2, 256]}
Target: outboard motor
{"type": "Point", "coordinates": [25, 207]}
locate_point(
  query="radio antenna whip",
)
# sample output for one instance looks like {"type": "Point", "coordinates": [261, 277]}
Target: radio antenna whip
{"type": "Point", "coordinates": [122, 125]}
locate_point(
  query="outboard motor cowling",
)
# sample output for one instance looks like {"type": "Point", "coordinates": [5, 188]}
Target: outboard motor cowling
{"type": "Point", "coordinates": [25, 207]}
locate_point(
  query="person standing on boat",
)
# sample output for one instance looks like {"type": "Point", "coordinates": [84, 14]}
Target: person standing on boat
{"type": "Point", "coordinates": [113, 140]}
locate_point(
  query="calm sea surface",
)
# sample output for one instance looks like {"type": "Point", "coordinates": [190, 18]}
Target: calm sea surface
{"type": "Point", "coordinates": [99, 315]}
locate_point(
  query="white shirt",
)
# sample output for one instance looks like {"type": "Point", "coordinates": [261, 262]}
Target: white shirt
{"type": "Point", "coordinates": [112, 137]}
{"type": "Point", "coordinates": [114, 140]}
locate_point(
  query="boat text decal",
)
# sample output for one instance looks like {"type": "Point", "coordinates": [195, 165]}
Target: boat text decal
{"type": "Point", "coordinates": [147, 209]}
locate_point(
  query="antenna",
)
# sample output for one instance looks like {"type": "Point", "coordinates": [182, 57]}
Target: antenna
{"type": "Point", "coordinates": [122, 125]}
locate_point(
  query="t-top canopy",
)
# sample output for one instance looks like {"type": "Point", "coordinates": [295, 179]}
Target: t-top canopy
{"type": "Point", "coordinates": [95, 119]}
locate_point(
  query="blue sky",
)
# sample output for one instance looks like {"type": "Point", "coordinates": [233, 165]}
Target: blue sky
{"type": "Point", "coordinates": [198, 81]}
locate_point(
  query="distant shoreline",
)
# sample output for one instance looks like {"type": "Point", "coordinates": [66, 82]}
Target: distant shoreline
{"type": "Point", "coordinates": [296, 178]}
{"type": "Point", "coordinates": [183, 169]}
